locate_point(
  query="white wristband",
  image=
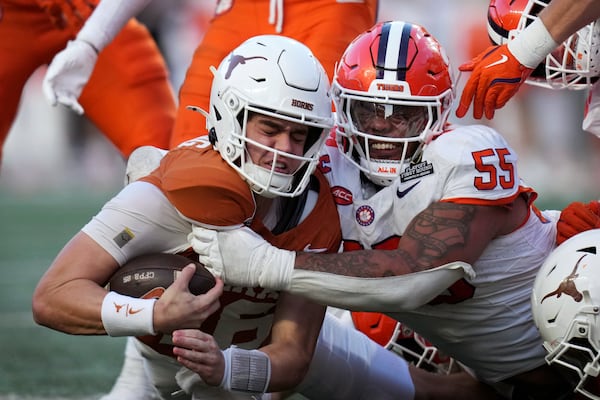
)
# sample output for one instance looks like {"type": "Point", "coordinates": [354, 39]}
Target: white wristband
{"type": "Point", "coordinates": [532, 45]}
{"type": "Point", "coordinates": [127, 316]}
{"type": "Point", "coordinates": [246, 370]}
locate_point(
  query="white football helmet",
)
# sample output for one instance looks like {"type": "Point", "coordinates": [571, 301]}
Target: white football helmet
{"type": "Point", "coordinates": [398, 75]}
{"type": "Point", "coordinates": [279, 77]}
{"type": "Point", "coordinates": [566, 309]}
{"type": "Point", "coordinates": [575, 64]}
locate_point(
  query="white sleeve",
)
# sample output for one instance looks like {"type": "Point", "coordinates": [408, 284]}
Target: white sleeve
{"type": "Point", "coordinates": [139, 220]}
{"type": "Point", "coordinates": [387, 294]}
{"type": "Point", "coordinates": [107, 20]}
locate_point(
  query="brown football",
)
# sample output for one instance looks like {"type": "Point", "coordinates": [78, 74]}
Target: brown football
{"type": "Point", "coordinates": [149, 275]}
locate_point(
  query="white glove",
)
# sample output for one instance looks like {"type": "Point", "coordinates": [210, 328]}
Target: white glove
{"type": "Point", "coordinates": [241, 257]}
{"type": "Point", "coordinates": [68, 73]}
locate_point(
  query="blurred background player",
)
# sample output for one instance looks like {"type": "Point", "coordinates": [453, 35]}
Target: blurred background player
{"type": "Point", "coordinates": [441, 206]}
{"type": "Point", "coordinates": [574, 64]}
{"type": "Point", "coordinates": [499, 71]}
{"type": "Point", "coordinates": [130, 71]}
{"type": "Point", "coordinates": [325, 26]}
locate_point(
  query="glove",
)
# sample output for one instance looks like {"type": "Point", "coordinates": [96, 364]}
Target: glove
{"type": "Point", "coordinates": [241, 257]}
{"type": "Point", "coordinates": [68, 73]}
{"type": "Point", "coordinates": [496, 76]}
{"type": "Point", "coordinates": [576, 218]}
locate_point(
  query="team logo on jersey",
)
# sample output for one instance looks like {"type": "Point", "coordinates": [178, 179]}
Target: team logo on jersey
{"type": "Point", "coordinates": [236, 60]}
{"type": "Point", "coordinates": [365, 215]}
{"type": "Point", "coordinates": [416, 171]}
{"type": "Point", "coordinates": [341, 196]}
{"type": "Point", "coordinates": [567, 286]}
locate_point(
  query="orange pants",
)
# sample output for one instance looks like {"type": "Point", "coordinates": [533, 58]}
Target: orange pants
{"type": "Point", "coordinates": [128, 97]}
{"type": "Point", "coordinates": [325, 26]}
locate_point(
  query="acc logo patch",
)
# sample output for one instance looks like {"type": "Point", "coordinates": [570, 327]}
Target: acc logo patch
{"type": "Point", "coordinates": [341, 195]}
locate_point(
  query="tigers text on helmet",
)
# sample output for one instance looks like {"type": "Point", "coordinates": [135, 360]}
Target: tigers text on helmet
{"type": "Point", "coordinates": [278, 77]}
{"type": "Point", "coordinates": [575, 64]}
{"type": "Point", "coordinates": [566, 309]}
{"type": "Point", "coordinates": [393, 91]}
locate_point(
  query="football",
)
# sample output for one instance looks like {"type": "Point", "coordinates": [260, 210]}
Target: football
{"type": "Point", "coordinates": [148, 276]}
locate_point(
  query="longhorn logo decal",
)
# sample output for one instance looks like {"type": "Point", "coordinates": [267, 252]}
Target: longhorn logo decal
{"type": "Point", "coordinates": [235, 60]}
{"type": "Point", "coordinates": [567, 285]}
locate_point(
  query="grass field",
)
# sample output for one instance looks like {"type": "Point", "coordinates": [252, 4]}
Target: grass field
{"type": "Point", "coordinates": [36, 361]}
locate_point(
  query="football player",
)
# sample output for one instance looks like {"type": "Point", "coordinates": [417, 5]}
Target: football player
{"type": "Point", "coordinates": [499, 71]}
{"type": "Point", "coordinates": [434, 216]}
{"type": "Point", "coordinates": [116, 99]}
{"type": "Point", "coordinates": [270, 113]}
{"type": "Point", "coordinates": [325, 26]}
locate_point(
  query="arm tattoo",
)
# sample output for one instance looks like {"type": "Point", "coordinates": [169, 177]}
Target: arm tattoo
{"type": "Point", "coordinates": [439, 229]}
{"type": "Point", "coordinates": [430, 237]}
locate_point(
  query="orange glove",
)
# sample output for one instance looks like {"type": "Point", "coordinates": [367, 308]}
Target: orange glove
{"type": "Point", "coordinates": [576, 218]}
{"type": "Point", "coordinates": [497, 76]}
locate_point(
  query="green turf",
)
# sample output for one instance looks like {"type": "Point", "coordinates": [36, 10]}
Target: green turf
{"type": "Point", "coordinates": [37, 361]}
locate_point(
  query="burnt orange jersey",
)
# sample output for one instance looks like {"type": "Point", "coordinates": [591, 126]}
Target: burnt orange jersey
{"type": "Point", "coordinates": [325, 26]}
{"type": "Point", "coordinates": [204, 188]}
{"type": "Point", "coordinates": [128, 96]}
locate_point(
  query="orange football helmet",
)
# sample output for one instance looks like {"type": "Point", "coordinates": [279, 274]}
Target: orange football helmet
{"type": "Point", "coordinates": [392, 90]}
{"type": "Point", "coordinates": [575, 64]}
{"type": "Point", "coordinates": [401, 339]}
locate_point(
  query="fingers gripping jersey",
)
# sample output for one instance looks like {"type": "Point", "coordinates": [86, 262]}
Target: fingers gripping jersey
{"type": "Point", "coordinates": [470, 165]}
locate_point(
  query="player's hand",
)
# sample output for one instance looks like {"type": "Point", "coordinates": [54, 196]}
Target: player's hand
{"type": "Point", "coordinates": [199, 352]}
{"type": "Point", "coordinates": [241, 257]}
{"type": "Point", "coordinates": [496, 76]}
{"type": "Point", "coordinates": [177, 308]}
{"type": "Point", "coordinates": [577, 217]}
{"type": "Point", "coordinates": [68, 73]}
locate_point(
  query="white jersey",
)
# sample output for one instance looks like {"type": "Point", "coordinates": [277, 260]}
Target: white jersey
{"type": "Point", "coordinates": [485, 322]}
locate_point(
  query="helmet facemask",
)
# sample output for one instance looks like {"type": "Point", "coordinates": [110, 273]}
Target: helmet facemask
{"type": "Point", "coordinates": [382, 135]}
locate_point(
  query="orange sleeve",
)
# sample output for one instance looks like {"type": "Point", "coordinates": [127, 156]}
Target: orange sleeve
{"type": "Point", "coordinates": [203, 187]}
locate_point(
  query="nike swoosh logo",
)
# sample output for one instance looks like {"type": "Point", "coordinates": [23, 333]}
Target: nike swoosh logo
{"type": "Point", "coordinates": [131, 311]}
{"type": "Point", "coordinates": [402, 193]}
{"type": "Point", "coordinates": [309, 249]}
{"type": "Point", "coordinates": [502, 59]}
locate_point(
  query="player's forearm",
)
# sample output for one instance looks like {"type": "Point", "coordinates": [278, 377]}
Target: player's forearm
{"type": "Point", "coordinates": [377, 294]}
{"type": "Point", "coordinates": [564, 17]}
{"type": "Point", "coordinates": [70, 310]}
{"type": "Point", "coordinates": [107, 20]}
